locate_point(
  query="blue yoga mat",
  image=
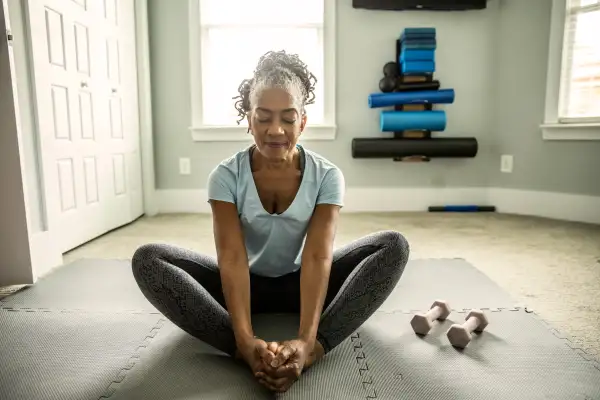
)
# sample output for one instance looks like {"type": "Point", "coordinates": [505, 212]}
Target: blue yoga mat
{"type": "Point", "coordinates": [395, 121]}
{"type": "Point", "coordinates": [418, 46]}
{"type": "Point", "coordinates": [444, 96]}
{"type": "Point", "coordinates": [409, 67]}
{"type": "Point", "coordinates": [419, 30]}
{"type": "Point", "coordinates": [417, 55]}
{"type": "Point", "coordinates": [419, 41]}
{"type": "Point", "coordinates": [408, 36]}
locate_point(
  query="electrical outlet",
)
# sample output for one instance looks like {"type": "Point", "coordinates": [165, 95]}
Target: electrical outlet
{"type": "Point", "coordinates": [185, 166]}
{"type": "Point", "coordinates": [506, 163]}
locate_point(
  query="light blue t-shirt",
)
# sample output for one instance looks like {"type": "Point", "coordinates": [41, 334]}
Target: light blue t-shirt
{"type": "Point", "coordinates": [274, 242]}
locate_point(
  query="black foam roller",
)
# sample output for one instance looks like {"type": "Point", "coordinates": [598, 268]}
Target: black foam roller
{"type": "Point", "coordinates": [397, 148]}
{"type": "Point", "coordinates": [404, 87]}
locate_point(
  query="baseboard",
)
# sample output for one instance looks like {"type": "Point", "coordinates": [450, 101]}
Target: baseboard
{"type": "Point", "coordinates": [192, 201]}
{"type": "Point", "coordinates": [409, 199]}
{"type": "Point", "coordinates": [568, 207]}
{"type": "Point", "coordinates": [562, 206]}
{"type": "Point", "coordinates": [357, 199]}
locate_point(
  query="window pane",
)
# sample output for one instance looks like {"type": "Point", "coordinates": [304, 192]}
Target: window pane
{"type": "Point", "coordinates": [581, 3]}
{"type": "Point", "coordinates": [231, 54]}
{"type": "Point", "coordinates": [581, 85]}
{"type": "Point", "coordinates": [261, 12]}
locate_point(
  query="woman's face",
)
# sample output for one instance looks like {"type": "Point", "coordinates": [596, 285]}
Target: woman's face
{"type": "Point", "coordinates": [276, 122]}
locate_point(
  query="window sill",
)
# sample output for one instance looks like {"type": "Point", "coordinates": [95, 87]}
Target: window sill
{"type": "Point", "coordinates": [208, 133]}
{"type": "Point", "coordinates": [556, 131]}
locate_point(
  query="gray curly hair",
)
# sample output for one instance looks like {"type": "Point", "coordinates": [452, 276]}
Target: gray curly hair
{"type": "Point", "coordinates": [277, 70]}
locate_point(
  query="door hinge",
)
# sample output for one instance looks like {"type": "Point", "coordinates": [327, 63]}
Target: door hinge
{"type": "Point", "coordinates": [9, 35]}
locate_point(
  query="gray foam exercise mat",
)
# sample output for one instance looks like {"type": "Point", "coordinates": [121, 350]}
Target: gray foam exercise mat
{"type": "Point", "coordinates": [454, 280]}
{"type": "Point", "coordinates": [177, 366]}
{"type": "Point", "coordinates": [106, 351]}
{"type": "Point", "coordinates": [67, 355]}
{"type": "Point", "coordinates": [113, 356]}
{"type": "Point", "coordinates": [516, 357]}
{"type": "Point", "coordinates": [108, 285]}
{"type": "Point", "coordinates": [91, 285]}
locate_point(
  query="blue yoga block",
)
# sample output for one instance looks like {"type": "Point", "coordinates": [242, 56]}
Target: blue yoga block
{"type": "Point", "coordinates": [413, 36]}
{"type": "Point", "coordinates": [417, 55]}
{"type": "Point", "coordinates": [411, 67]}
{"type": "Point", "coordinates": [417, 46]}
{"type": "Point", "coordinates": [419, 41]}
{"type": "Point", "coordinates": [419, 30]}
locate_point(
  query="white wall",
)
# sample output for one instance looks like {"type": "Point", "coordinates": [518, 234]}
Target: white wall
{"type": "Point", "coordinates": [26, 117]}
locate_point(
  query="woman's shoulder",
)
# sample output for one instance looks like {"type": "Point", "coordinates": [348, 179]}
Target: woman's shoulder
{"type": "Point", "coordinates": [229, 168]}
{"type": "Point", "coordinates": [322, 165]}
{"type": "Point", "coordinates": [329, 183]}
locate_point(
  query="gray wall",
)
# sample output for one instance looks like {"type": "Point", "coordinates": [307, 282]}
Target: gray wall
{"type": "Point", "coordinates": [555, 166]}
{"type": "Point", "coordinates": [365, 41]}
{"type": "Point", "coordinates": [486, 56]}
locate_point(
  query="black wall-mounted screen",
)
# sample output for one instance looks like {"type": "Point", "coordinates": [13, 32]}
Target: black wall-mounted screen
{"type": "Point", "coordinates": [431, 5]}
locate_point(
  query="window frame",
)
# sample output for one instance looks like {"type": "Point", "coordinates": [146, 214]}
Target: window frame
{"type": "Point", "coordinates": [552, 128]}
{"type": "Point", "coordinates": [239, 133]}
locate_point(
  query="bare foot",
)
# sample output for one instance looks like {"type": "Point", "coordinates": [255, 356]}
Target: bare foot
{"type": "Point", "coordinates": [317, 353]}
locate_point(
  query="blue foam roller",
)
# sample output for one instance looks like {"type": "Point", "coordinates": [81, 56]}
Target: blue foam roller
{"type": "Point", "coordinates": [411, 67]}
{"type": "Point", "coordinates": [444, 96]}
{"type": "Point", "coordinates": [417, 55]}
{"type": "Point", "coordinates": [419, 30]}
{"type": "Point", "coordinates": [395, 121]}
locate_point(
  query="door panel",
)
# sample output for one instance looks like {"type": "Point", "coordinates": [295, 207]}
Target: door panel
{"type": "Point", "coordinates": [85, 77]}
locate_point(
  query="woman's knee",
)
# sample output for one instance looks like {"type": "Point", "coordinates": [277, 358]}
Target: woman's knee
{"type": "Point", "coordinates": [395, 242]}
{"type": "Point", "coordinates": [145, 256]}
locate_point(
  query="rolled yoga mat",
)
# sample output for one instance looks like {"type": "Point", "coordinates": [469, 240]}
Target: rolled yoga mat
{"type": "Point", "coordinates": [395, 121]}
{"type": "Point", "coordinates": [444, 96]}
{"type": "Point", "coordinates": [418, 86]}
{"type": "Point", "coordinates": [397, 148]}
{"type": "Point", "coordinates": [462, 208]}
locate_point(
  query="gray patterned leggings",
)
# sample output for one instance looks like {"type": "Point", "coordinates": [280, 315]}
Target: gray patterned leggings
{"type": "Point", "coordinates": [186, 288]}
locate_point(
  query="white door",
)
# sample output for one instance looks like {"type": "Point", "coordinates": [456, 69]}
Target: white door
{"type": "Point", "coordinates": [84, 68]}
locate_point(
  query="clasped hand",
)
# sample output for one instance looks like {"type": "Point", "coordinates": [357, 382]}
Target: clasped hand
{"type": "Point", "coordinates": [277, 365]}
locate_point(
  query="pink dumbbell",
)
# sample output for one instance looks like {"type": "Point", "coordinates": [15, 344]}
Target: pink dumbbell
{"type": "Point", "coordinates": [422, 323]}
{"type": "Point", "coordinates": [460, 334]}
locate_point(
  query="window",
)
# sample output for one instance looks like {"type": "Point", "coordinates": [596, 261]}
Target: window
{"type": "Point", "coordinates": [227, 37]}
{"type": "Point", "coordinates": [573, 98]}
{"type": "Point", "coordinates": [580, 81]}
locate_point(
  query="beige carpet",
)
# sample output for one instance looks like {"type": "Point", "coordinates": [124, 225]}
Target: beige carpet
{"type": "Point", "coordinates": [550, 266]}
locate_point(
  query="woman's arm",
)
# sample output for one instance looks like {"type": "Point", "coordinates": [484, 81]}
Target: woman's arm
{"type": "Point", "coordinates": [316, 266]}
{"type": "Point", "coordinates": [233, 267]}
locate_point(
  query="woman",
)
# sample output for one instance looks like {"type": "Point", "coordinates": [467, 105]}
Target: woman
{"type": "Point", "coordinates": [275, 209]}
